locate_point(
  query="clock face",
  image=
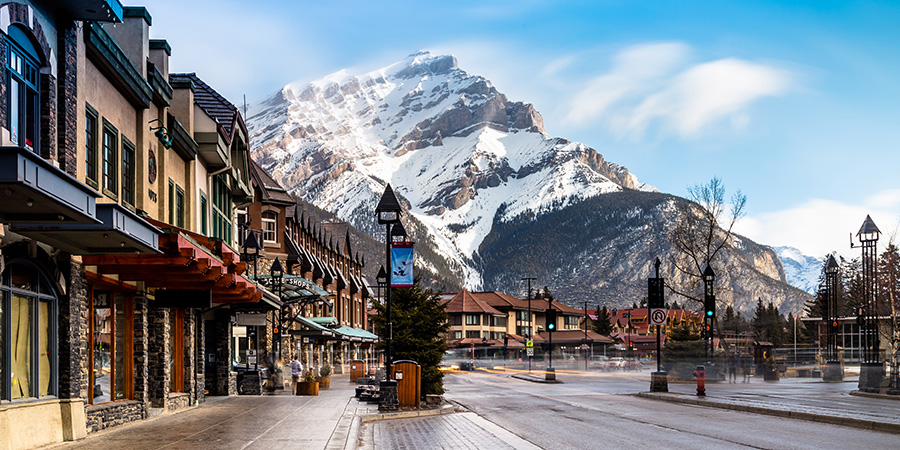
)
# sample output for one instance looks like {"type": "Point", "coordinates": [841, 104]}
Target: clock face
{"type": "Point", "coordinates": [151, 165]}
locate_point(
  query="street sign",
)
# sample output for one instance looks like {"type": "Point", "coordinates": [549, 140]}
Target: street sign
{"type": "Point", "coordinates": [658, 316]}
{"type": "Point", "coordinates": [529, 344]}
{"type": "Point", "coordinates": [529, 351]}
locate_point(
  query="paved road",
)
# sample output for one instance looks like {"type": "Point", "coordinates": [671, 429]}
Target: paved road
{"type": "Point", "coordinates": [598, 411]}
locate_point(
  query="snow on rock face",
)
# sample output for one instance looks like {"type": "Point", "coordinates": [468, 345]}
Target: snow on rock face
{"type": "Point", "coordinates": [448, 142]}
{"type": "Point", "coordinates": [801, 271]}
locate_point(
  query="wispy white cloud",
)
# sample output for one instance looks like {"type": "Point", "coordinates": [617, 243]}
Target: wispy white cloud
{"type": "Point", "coordinates": [657, 85]}
{"type": "Point", "coordinates": [818, 226]}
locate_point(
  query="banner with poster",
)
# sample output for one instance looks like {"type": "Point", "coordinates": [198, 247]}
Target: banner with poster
{"type": "Point", "coordinates": [402, 264]}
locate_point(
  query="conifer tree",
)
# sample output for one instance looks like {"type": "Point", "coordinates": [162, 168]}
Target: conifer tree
{"type": "Point", "coordinates": [603, 324]}
{"type": "Point", "coordinates": [420, 324]}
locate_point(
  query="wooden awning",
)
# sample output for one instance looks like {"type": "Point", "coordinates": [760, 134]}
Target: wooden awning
{"type": "Point", "coordinates": [184, 264]}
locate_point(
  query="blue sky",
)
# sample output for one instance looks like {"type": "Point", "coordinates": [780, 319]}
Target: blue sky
{"type": "Point", "coordinates": [796, 104]}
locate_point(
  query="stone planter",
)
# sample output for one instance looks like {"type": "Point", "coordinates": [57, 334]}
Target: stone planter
{"type": "Point", "coordinates": [770, 375]}
{"type": "Point", "coordinates": [324, 382]}
{"type": "Point", "coordinates": [308, 388]}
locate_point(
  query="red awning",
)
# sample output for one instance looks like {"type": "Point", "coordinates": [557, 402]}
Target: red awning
{"type": "Point", "coordinates": [184, 264]}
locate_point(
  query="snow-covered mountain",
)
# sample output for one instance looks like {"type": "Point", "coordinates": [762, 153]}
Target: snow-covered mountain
{"type": "Point", "coordinates": [801, 271]}
{"type": "Point", "coordinates": [491, 197]}
{"type": "Point", "coordinates": [452, 146]}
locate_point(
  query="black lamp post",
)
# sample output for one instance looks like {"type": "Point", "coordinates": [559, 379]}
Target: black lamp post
{"type": "Point", "coordinates": [833, 370]}
{"type": "Point", "coordinates": [528, 333]}
{"type": "Point", "coordinates": [276, 274]}
{"type": "Point", "coordinates": [709, 301]}
{"type": "Point", "coordinates": [388, 213]}
{"type": "Point", "coordinates": [251, 249]}
{"type": "Point", "coordinates": [871, 369]}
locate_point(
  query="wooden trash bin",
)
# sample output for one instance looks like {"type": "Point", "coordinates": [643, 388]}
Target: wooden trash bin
{"type": "Point", "coordinates": [357, 369]}
{"type": "Point", "coordinates": [408, 375]}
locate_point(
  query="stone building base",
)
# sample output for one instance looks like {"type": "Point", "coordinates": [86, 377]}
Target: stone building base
{"type": "Point", "coordinates": [871, 375]}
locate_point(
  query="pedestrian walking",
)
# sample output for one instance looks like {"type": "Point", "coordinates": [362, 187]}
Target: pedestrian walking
{"type": "Point", "coordinates": [296, 373]}
{"type": "Point", "coordinates": [731, 364]}
{"type": "Point", "coordinates": [745, 368]}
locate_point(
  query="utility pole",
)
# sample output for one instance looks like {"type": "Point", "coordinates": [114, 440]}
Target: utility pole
{"type": "Point", "coordinates": [584, 342]}
{"type": "Point", "coordinates": [529, 279]}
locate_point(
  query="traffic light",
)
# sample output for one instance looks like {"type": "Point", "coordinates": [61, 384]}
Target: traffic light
{"type": "Point", "coordinates": [706, 331]}
{"type": "Point", "coordinates": [834, 325]}
{"type": "Point", "coordinates": [655, 297]}
{"type": "Point", "coordinates": [860, 316]}
{"type": "Point", "coordinates": [709, 306]}
{"type": "Point", "coordinates": [551, 319]}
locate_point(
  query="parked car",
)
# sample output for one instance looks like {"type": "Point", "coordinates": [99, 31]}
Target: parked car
{"type": "Point", "coordinates": [617, 362]}
{"type": "Point", "coordinates": [600, 363]}
{"type": "Point", "coordinates": [467, 365]}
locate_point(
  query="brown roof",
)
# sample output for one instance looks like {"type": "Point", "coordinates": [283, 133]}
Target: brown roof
{"type": "Point", "coordinates": [213, 104]}
{"type": "Point", "coordinates": [271, 191]}
{"type": "Point", "coordinates": [562, 336]}
{"type": "Point", "coordinates": [466, 302]}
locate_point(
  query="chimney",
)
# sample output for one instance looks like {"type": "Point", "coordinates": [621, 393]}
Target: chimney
{"type": "Point", "coordinates": [133, 36]}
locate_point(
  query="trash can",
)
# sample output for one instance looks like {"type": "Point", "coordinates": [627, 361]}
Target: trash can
{"type": "Point", "coordinates": [357, 369]}
{"type": "Point", "coordinates": [408, 375]}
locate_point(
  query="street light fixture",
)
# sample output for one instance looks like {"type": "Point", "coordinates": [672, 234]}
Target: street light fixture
{"type": "Point", "coordinates": [871, 370]}
{"type": "Point", "coordinates": [709, 301]}
{"type": "Point", "coordinates": [276, 273]}
{"type": "Point", "coordinates": [388, 213]}
{"type": "Point", "coordinates": [833, 370]}
{"type": "Point", "coordinates": [251, 249]}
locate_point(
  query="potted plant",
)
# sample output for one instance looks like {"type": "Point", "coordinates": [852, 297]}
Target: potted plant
{"type": "Point", "coordinates": [324, 378]}
{"type": "Point", "coordinates": [309, 385]}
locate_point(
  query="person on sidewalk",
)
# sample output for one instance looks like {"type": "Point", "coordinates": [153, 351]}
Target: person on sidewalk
{"type": "Point", "coordinates": [732, 364]}
{"type": "Point", "coordinates": [745, 368]}
{"type": "Point", "coordinates": [296, 373]}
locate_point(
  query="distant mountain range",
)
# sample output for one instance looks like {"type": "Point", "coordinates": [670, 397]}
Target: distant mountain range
{"type": "Point", "coordinates": [491, 197]}
{"type": "Point", "coordinates": [801, 271]}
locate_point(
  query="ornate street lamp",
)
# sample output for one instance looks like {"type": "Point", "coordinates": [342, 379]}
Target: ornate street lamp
{"type": "Point", "coordinates": [276, 275]}
{"type": "Point", "coordinates": [528, 334]}
{"type": "Point", "coordinates": [871, 370]}
{"type": "Point", "coordinates": [830, 317]}
{"type": "Point", "coordinates": [709, 303]}
{"type": "Point", "coordinates": [388, 213]}
{"type": "Point", "coordinates": [251, 249]}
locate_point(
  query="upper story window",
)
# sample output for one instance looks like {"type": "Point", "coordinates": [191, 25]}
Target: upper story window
{"type": "Point", "coordinates": [473, 319]}
{"type": "Point", "coordinates": [110, 160]}
{"type": "Point", "coordinates": [270, 226]}
{"type": "Point", "coordinates": [204, 215]}
{"type": "Point", "coordinates": [91, 119]}
{"type": "Point", "coordinates": [128, 172]}
{"type": "Point", "coordinates": [24, 90]}
{"type": "Point", "coordinates": [221, 202]}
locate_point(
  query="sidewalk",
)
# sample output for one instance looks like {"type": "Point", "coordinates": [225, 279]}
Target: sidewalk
{"type": "Point", "coordinates": [333, 420]}
{"type": "Point", "coordinates": [843, 406]}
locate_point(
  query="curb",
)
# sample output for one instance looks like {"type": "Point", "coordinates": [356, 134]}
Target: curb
{"type": "Point", "coordinates": [447, 409]}
{"type": "Point", "coordinates": [534, 379]}
{"type": "Point", "coordinates": [874, 395]}
{"type": "Point", "coordinates": [822, 418]}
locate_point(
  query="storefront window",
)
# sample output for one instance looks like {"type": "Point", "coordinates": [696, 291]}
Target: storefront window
{"type": "Point", "coordinates": [123, 330]}
{"type": "Point", "coordinates": [110, 346]}
{"type": "Point", "coordinates": [102, 348]}
{"type": "Point", "coordinates": [21, 340]}
{"type": "Point", "coordinates": [176, 350]}
{"type": "Point", "coordinates": [27, 330]}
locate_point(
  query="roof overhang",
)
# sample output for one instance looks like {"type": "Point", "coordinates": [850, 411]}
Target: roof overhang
{"type": "Point", "coordinates": [99, 10]}
{"type": "Point", "coordinates": [212, 149]}
{"type": "Point", "coordinates": [120, 231]}
{"type": "Point", "coordinates": [34, 191]}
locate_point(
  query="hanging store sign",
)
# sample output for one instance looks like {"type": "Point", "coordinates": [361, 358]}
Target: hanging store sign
{"type": "Point", "coordinates": [402, 264]}
{"type": "Point", "coordinates": [245, 319]}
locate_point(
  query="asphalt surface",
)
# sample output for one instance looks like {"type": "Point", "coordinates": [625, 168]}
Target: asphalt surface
{"type": "Point", "coordinates": [601, 411]}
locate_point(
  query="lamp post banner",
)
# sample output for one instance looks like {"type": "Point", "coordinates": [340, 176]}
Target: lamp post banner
{"type": "Point", "coordinates": [401, 264]}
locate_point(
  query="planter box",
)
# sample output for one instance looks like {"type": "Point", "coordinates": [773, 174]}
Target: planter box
{"type": "Point", "coordinates": [770, 375]}
{"type": "Point", "coordinates": [307, 388]}
{"type": "Point", "coordinates": [324, 382]}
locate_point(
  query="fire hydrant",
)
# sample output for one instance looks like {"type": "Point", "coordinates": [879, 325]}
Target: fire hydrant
{"type": "Point", "coordinates": [700, 373]}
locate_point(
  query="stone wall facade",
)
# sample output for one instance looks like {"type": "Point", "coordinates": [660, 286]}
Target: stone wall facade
{"type": "Point", "coordinates": [73, 327]}
{"type": "Point", "coordinates": [157, 351]}
{"type": "Point", "coordinates": [107, 415]}
{"type": "Point", "coordinates": [67, 99]}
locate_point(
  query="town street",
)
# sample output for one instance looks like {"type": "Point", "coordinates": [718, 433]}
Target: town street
{"type": "Point", "coordinates": [594, 410]}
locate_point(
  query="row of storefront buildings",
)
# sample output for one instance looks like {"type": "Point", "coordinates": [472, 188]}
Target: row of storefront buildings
{"type": "Point", "coordinates": [127, 202]}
